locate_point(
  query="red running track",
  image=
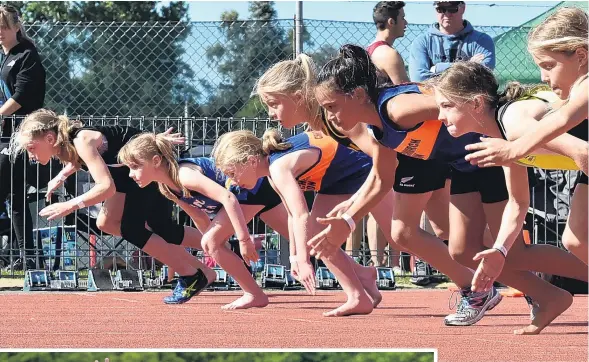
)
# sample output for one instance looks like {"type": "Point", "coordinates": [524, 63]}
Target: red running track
{"type": "Point", "coordinates": [405, 319]}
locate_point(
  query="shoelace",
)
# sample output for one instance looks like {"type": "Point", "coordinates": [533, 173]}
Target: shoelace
{"type": "Point", "coordinates": [456, 299]}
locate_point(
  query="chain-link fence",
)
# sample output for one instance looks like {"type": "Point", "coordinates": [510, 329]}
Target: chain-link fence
{"type": "Point", "coordinates": [199, 76]}
{"type": "Point", "coordinates": [76, 243]}
{"type": "Point", "coordinates": [204, 68]}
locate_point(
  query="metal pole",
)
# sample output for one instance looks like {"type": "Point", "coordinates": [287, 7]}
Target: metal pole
{"type": "Point", "coordinates": [299, 28]}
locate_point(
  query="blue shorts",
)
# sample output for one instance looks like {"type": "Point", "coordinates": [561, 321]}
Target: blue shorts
{"type": "Point", "coordinates": [349, 185]}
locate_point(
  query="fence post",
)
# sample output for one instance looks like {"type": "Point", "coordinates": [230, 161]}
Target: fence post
{"type": "Point", "coordinates": [299, 28]}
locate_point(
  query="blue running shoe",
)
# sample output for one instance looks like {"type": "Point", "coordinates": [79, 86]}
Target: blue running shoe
{"type": "Point", "coordinates": [187, 287]}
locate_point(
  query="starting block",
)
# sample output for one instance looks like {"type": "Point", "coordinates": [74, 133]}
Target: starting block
{"type": "Point", "coordinates": [277, 276]}
{"type": "Point", "coordinates": [221, 281]}
{"type": "Point", "coordinates": [130, 280]}
{"type": "Point", "coordinates": [385, 278]}
{"type": "Point", "coordinates": [36, 280]}
{"type": "Point", "coordinates": [324, 279]}
{"type": "Point", "coordinates": [100, 279]}
{"type": "Point", "coordinates": [65, 280]}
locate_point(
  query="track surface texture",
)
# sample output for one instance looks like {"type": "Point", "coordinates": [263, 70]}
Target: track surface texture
{"type": "Point", "coordinates": [405, 319]}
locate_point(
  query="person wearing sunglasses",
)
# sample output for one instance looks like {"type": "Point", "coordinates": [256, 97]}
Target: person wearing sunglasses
{"type": "Point", "coordinates": [448, 40]}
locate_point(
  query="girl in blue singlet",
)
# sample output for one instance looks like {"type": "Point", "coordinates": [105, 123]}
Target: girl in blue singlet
{"type": "Point", "coordinates": [310, 161]}
{"type": "Point", "coordinates": [347, 89]}
{"type": "Point", "coordinates": [469, 102]}
{"type": "Point", "coordinates": [216, 205]}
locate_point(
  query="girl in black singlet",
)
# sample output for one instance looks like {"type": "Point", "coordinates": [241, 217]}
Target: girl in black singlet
{"type": "Point", "coordinates": [127, 208]}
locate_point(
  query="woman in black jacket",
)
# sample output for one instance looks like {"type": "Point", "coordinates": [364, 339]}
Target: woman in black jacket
{"type": "Point", "coordinates": [22, 91]}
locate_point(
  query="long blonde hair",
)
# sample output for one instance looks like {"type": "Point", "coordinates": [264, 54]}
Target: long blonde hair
{"type": "Point", "coordinates": [565, 31]}
{"type": "Point", "coordinates": [40, 123]}
{"type": "Point", "coordinates": [9, 19]}
{"type": "Point", "coordinates": [234, 148]}
{"type": "Point", "coordinates": [144, 147]}
{"type": "Point", "coordinates": [464, 80]}
{"type": "Point", "coordinates": [289, 76]}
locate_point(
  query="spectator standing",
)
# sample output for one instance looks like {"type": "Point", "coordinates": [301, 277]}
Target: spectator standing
{"type": "Point", "coordinates": [22, 91]}
{"type": "Point", "coordinates": [448, 40]}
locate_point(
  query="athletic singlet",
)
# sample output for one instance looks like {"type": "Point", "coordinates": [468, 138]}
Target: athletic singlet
{"type": "Point", "coordinates": [545, 161]}
{"type": "Point", "coordinates": [372, 47]}
{"type": "Point", "coordinates": [336, 163]}
{"type": "Point", "coordinates": [427, 140]}
{"type": "Point", "coordinates": [210, 170]}
{"type": "Point", "coordinates": [115, 137]}
{"type": "Point", "coordinates": [382, 77]}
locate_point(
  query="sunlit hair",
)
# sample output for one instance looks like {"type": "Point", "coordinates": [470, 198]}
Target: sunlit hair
{"type": "Point", "coordinates": [234, 148]}
{"type": "Point", "coordinates": [463, 81]}
{"type": "Point", "coordinates": [290, 76]}
{"type": "Point", "coordinates": [38, 124]}
{"type": "Point", "coordinates": [9, 19]}
{"type": "Point", "coordinates": [563, 31]}
{"type": "Point", "coordinates": [142, 148]}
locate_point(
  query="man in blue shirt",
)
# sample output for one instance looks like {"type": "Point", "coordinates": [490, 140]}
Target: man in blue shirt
{"type": "Point", "coordinates": [449, 40]}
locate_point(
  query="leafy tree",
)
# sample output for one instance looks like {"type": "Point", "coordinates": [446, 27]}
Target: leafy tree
{"type": "Point", "coordinates": [247, 49]}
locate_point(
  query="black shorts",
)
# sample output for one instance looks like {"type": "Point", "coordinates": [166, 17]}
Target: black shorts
{"type": "Point", "coordinates": [263, 195]}
{"type": "Point", "coordinates": [148, 205]}
{"type": "Point", "coordinates": [488, 182]}
{"type": "Point", "coordinates": [581, 179]}
{"type": "Point", "coordinates": [123, 183]}
{"type": "Point", "coordinates": [415, 176]}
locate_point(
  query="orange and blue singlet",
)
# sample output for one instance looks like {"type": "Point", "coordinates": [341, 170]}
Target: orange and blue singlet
{"type": "Point", "coordinates": [338, 171]}
{"type": "Point", "coordinates": [428, 140]}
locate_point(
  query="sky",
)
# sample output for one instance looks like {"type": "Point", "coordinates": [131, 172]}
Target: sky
{"type": "Point", "coordinates": [502, 13]}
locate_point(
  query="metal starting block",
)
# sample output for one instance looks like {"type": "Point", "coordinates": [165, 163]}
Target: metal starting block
{"type": "Point", "coordinates": [130, 280]}
{"type": "Point", "coordinates": [36, 280]}
{"type": "Point", "coordinates": [65, 280]}
{"type": "Point", "coordinates": [100, 279]}
{"type": "Point", "coordinates": [324, 279]}
{"type": "Point", "coordinates": [221, 281]}
{"type": "Point", "coordinates": [277, 276]}
{"type": "Point", "coordinates": [385, 278]}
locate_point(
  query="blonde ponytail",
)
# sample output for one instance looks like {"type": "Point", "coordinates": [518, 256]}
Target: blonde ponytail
{"type": "Point", "coordinates": [166, 151]}
{"type": "Point", "coordinates": [234, 148]}
{"type": "Point", "coordinates": [143, 148]}
{"type": "Point", "coordinates": [39, 123]}
{"type": "Point", "coordinates": [290, 76]}
{"type": "Point", "coordinates": [68, 151]}
{"type": "Point", "coordinates": [272, 141]}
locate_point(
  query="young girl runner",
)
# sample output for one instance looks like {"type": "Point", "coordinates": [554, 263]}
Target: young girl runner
{"type": "Point", "coordinates": [347, 90]}
{"type": "Point", "coordinates": [127, 208]}
{"type": "Point", "coordinates": [469, 102]}
{"type": "Point", "coordinates": [205, 193]}
{"type": "Point", "coordinates": [559, 46]}
{"type": "Point", "coordinates": [287, 89]}
{"type": "Point", "coordinates": [309, 161]}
